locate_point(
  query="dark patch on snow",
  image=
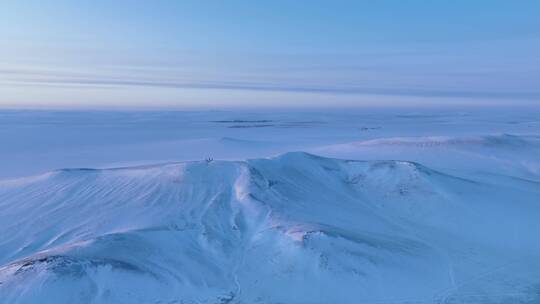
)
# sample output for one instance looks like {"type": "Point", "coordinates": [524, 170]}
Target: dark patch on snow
{"type": "Point", "coordinates": [243, 121]}
{"type": "Point", "coordinates": [226, 299]}
{"type": "Point", "coordinates": [250, 126]}
{"type": "Point", "coordinates": [369, 128]}
{"type": "Point", "coordinates": [72, 266]}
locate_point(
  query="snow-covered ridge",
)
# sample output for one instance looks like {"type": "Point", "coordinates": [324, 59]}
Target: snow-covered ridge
{"type": "Point", "coordinates": [297, 228]}
{"type": "Point", "coordinates": [514, 155]}
{"type": "Point", "coordinates": [493, 141]}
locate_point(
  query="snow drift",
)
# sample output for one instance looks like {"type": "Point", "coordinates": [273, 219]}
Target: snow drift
{"type": "Point", "coordinates": [514, 155]}
{"type": "Point", "coordinates": [297, 228]}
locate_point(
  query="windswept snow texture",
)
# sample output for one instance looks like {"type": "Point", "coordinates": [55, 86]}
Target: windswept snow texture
{"type": "Point", "coordinates": [443, 215]}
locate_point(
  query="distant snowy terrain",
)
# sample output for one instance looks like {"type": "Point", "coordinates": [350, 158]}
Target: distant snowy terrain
{"type": "Point", "coordinates": [380, 207]}
{"type": "Point", "coordinates": [34, 142]}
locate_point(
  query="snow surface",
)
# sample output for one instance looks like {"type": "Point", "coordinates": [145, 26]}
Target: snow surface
{"type": "Point", "coordinates": [434, 208]}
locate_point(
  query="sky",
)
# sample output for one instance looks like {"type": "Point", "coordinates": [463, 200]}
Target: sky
{"type": "Point", "coordinates": [221, 54]}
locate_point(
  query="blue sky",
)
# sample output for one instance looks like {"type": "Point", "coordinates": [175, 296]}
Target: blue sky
{"type": "Point", "coordinates": [217, 54]}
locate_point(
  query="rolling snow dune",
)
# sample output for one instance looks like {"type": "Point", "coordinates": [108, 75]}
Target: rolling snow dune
{"type": "Point", "coordinates": [514, 155]}
{"type": "Point", "coordinates": [490, 141]}
{"type": "Point", "coordinates": [296, 228]}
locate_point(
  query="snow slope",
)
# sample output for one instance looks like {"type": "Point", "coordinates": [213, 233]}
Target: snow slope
{"type": "Point", "coordinates": [296, 228]}
{"type": "Point", "coordinates": [508, 154]}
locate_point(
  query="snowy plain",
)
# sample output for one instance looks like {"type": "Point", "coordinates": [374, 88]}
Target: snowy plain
{"type": "Point", "coordinates": [363, 206]}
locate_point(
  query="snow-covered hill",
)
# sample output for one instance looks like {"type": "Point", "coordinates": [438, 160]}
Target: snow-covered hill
{"type": "Point", "coordinates": [513, 155]}
{"type": "Point", "coordinates": [297, 228]}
